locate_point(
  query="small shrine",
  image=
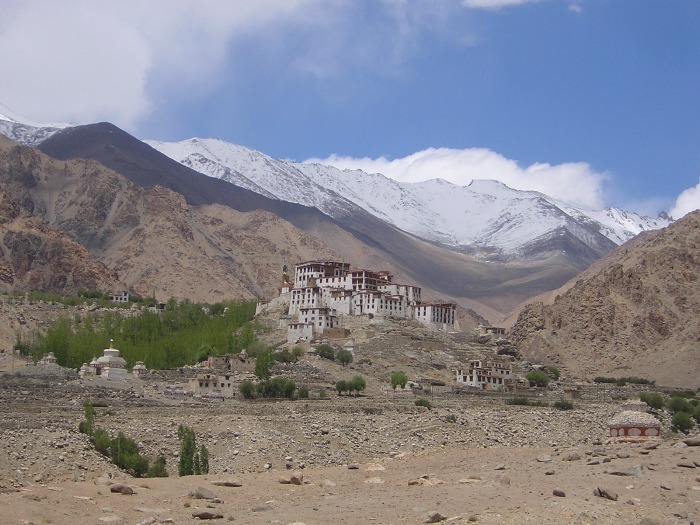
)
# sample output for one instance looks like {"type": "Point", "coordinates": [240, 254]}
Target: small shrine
{"type": "Point", "coordinates": [48, 359]}
{"type": "Point", "coordinates": [139, 369]}
{"type": "Point", "coordinates": [633, 422]}
{"type": "Point", "coordinates": [110, 365]}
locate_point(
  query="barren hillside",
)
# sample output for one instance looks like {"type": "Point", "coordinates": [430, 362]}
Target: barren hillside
{"type": "Point", "coordinates": [637, 314]}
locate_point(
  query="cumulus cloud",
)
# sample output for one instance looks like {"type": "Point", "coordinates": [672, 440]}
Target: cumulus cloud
{"type": "Point", "coordinates": [573, 182]}
{"type": "Point", "coordinates": [83, 61]}
{"type": "Point", "coordinates": [686, 202]}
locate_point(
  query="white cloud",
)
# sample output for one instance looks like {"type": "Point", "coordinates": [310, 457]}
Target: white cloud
{"type": "Point", "coordinates": [686, 202]}
{"type": "Point", "coordinates": [575, 8]}
{"type": "Point", "coordinates": [573, 182]}
{"type": "Point", "coordinates": [84, 61]}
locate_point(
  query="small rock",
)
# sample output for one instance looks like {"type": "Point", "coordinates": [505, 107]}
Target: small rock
{"type": "Point", "coordinates": [297, 478]}
{"type": "Point", "coordinates": [685, 464]}
{"type": "Point", "coordinates": [605, 493]}
{"type": "Point", "coordinates": [559, 493]}
{"type": "Point", "coordinates": [353, 466]}
{"type": "Point", "coordinates": [228, 483]}
{"type": "Point", "coordinates": [665, 485]}
{"type": "Point", "coordinates": [573, 455]}
{"type": "Point", "coordinates": [549, 472]}
{"type": "Point", "coordinates": [206, 515]}
{"type": "Point", "coordinates": [544, 458]}
{"type": "Point", "coordinates": [202, 493]}
{"type": "Point", "coordinates": [434, 517]}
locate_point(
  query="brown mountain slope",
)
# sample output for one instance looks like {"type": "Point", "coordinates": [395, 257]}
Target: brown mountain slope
{"type": "Point", "coordinates": [493, 289]}
{"type": "Point", "coordinates": [637, 315]}
{"type": "Point", "coordinates": [34, 256]}
{"type": "Point", "coordinates": [150, 236]}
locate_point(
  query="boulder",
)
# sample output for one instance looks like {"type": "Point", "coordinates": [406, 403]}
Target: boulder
{"type": "Point", "coordinates": [119, 488]}
{"type": "Point", "coordinates": [692, 441]}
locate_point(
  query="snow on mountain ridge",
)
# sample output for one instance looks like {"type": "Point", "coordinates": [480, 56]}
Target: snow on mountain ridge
{"type": "Point", "coordinates": [485, 214]}
{"type": "Point", "coordinates": [24, 131]}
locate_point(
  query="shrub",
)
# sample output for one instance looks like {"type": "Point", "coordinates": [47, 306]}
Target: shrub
{"type": "Point", "coordinates": [303, 392]}
{"type": "Point", "coordinates": [679, 404]}
{"type": "Point", "coordinates": [537, 378]}
{"type": "Point", "coordinates": [157, 470]}
{"type": "Point", "coordinates": [696, 414]}
{"type": "Point", "coordinates": [553, 372]}
{"type": "Point", "coordinates": [652, 399]}
{"type": "Point", "coordinates": [563, 405]}
{"type": "Point", "coordinates": [518, 401]}
{"type": "Point", "coordinates": [325, 351]}
{"type": "Point", "coordinates": [398, 379]}
{"type": "Point", "coordinates": [422, 402]}
{"type": "Point", "coordinates": [682, 422]}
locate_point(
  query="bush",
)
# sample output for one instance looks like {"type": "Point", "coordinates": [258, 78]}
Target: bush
{"type": "Point", "coordinates": [325, 351]}
{"type": "Point", "coordinates": [247, 389]}
{"type": "Point", "coordinates": [652, 399]}
{"type": "Point", "coordinates": [157, 470]}
{"type": "Point", "coordinates": [537, 378]}
{"type": "Point", "coordinates": [563, 405]}
{"type": "Point", "coordinates": [553, 372]}
{"type": "Point", "coordinates": [696, 414]}
{"type": "Point", "coordinates": [303, 392]}
{"type": "Point", "coordinates": [422, 402]}
{"type": "Point", "coordinates": [682, 422]}
{"type": "Point", "coordinates": [518, 401]}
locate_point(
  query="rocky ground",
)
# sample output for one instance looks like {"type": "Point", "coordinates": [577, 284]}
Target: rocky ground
{"type": "Point", "coordinates": [377, 458]}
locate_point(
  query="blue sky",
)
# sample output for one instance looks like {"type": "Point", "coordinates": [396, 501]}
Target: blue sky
{"type": "Point", "coordinates": [594, 102]}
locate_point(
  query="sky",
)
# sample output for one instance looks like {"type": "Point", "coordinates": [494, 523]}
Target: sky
{"type": "Point", "coordinates": [595, 102]}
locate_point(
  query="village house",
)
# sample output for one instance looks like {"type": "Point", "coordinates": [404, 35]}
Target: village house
{"type": "Point", "coordinates": [486, 375]}
{"type": "Point", "coordinates": [119, 297]}
{"type": "Point", "coordinates": [213, 385]}
{"type": "Point", "coordinates": [324, 291]}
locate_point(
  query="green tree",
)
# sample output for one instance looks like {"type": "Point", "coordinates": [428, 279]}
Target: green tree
{"type": "Point", "coordinates": [398, 378]}
{"type": "Point", "coordinates": [652, 399]}
{"type": "Point", "coordinates": [187, 450]}
{"type": "Point", "coordinates": [262, 365]}
{"type": "Point", "coordinates": [204, 459]}
{"type": "Point", "coordinates": [344, 357]}
{"type": "Point", "coordinates": [341, 386]}
{"type": "Point", "coordinates": [358, 384]}
{"type": "Point", "coordinates": [325, 351]}
{"type": "Point", "coordinates": [537, 378]}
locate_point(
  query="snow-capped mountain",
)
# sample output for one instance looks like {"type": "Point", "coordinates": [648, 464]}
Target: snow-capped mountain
{"type": "Point", "coordinates": [23, 131]}
{"type": "Point", "coordinates": [486, 217]}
